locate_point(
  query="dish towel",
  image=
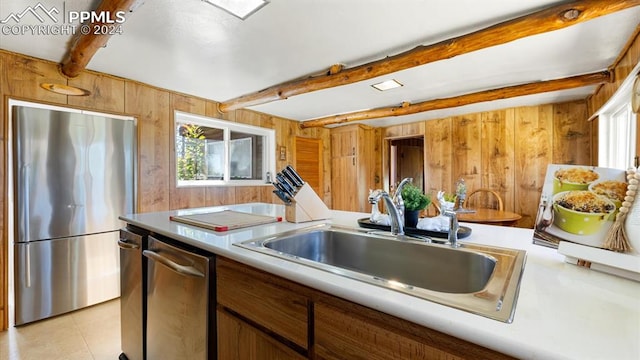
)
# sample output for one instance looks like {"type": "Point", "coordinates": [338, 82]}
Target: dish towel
{"type": "Point", "coordinates": [381, 219]}
{"type": "Point", "coordinates": [437, 223]}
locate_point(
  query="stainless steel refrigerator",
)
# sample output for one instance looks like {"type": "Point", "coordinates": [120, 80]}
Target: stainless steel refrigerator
{"type": "Point", "coordinates": [73, 175]}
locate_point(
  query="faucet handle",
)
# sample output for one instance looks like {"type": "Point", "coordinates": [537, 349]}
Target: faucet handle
{"type": "Point", "coordinates": [453, 227]}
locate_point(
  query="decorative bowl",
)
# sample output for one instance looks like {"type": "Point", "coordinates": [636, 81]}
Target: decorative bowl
{"type": "Point", "coordinates": [573, 178]}
{"type": "Point", "coordinates": [581, 212]}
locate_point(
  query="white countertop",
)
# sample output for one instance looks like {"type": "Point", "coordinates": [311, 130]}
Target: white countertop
{"type": "Point", "coordinates": [563, 311]}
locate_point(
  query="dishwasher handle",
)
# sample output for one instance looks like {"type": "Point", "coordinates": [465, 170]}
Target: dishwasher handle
{"type": "Point", "coordinates": [127, 245]}
{"type": "Point", "coordinates": [180, 269]}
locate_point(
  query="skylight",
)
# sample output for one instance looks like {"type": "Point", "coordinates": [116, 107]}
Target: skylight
{"type": "Point", "coordinates": [239, 8]}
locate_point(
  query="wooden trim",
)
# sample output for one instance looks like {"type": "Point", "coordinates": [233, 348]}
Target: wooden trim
{"type": "Point", "coordinates": [546, 20]}
{"type": "Point", "coordinates": [86, 45]}
{"type": "Point", "coordinates": [625, 49]}
{"type": "Point", "coordinates": [4, 241]}
{"type": "Point", "coordinates": [473, 98]}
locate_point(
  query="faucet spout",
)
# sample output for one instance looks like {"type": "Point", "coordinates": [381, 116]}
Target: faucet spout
{"type": "Point", "coordinates": [397, 225]}
{"type": "Point", "coordinates": [397, 195]}
{"type": "Point", "coordinates": [397, 198]}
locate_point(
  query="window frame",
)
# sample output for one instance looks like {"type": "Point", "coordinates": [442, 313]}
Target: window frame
{"type": "Point", "coordinates": [268, 153]}
{"type": "Point", "coordinates": [617, 137]}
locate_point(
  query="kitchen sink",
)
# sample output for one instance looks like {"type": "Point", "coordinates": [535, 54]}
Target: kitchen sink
{"type": "Point", "coordinates": [480, 279]}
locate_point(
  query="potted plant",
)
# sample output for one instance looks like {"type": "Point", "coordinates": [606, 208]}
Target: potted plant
{"type": "Point", "coordinates": [414, 201]}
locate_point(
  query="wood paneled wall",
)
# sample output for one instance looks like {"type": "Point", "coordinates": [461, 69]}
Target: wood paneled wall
{"type": "Point", "coordinates": [154, 108]}
{"type": "Point", "coordinates": [506, 150]}
{"type": "Point", "coordinates": [622, 69]}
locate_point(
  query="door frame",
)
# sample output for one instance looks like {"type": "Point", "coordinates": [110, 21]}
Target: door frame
{"type": "Point", "coordinates": [386, 158]}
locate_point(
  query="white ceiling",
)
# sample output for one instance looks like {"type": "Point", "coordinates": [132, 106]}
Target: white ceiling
{"type": "Point", "coordinates": [195, 48]}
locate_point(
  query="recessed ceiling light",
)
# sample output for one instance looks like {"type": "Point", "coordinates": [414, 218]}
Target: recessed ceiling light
{"type": "Point", "coordinates": [387, 85]}
{"type": "Point", "coordinates": [239, 8]}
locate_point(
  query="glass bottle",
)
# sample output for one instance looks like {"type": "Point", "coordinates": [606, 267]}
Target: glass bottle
{"type": "Point", "coordinates": [461, 193]}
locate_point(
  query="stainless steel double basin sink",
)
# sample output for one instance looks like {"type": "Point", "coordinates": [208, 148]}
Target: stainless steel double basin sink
{"type": "Point", "coordinates": [479, 279]}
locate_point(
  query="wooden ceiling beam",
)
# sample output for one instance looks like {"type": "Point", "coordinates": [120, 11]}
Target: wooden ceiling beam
{"type": "Point", "coordinates": [92, 36]}
{"type": "Point", "coordinates": [549, 19]}
{"type": "Point", "coordinates": [467, 99]}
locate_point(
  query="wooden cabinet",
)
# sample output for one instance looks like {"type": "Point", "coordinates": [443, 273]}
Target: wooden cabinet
{"type": "Point", "coordinates": [353, 167]}
{"type": "Point", "coordinates": [278, 306]}
{"type": "Point", "coordinates": [240, 341]}
{"type": "Point", "coordinates": [263, 316]}
{"type": "Point", "coordinates": [344, 330]}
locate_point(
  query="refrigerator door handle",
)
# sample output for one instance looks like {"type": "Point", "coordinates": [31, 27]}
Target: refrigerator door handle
{"type": "Point", "coordinates": [25, 224]}
{"type": "Point", "coordinates": [27, 262]}
{"type": "Point", "coordinates": [127, 245]}
{"type": "Point", "coordinates": [180, 269]}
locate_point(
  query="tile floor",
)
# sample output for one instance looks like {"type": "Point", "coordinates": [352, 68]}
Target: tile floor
{"type": "Point", "coordinates": [91, 333]}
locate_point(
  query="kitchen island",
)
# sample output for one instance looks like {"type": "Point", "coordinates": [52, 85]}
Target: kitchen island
{"type": "Point", "coordinates": [563, 311]}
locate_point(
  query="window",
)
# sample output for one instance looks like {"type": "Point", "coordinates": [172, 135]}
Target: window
{"type": "Point", "coordinates": [617, 138]}
{"type": "Point", "coordinates": [217, 152]}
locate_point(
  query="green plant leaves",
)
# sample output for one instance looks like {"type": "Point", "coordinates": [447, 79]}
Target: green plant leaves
{"type": "Point", "coordinates": [414, 198]}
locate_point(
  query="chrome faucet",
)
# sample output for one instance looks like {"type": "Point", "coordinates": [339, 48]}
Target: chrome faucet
{"type": "Point", "coordinates": [397, 224]}
{"type": "Point", "coordinates": [453, 227]}
{"type": "Point", "coordinates": [397, 197]}
{"type": "Point", "coordinates": [394, 205]}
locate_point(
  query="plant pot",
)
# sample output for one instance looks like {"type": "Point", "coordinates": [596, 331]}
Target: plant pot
{"type": "Point", "coordinates": [411, 218]}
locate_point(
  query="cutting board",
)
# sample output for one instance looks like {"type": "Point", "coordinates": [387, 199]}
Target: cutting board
{"type": "Point", "coordinates": [225, 220]}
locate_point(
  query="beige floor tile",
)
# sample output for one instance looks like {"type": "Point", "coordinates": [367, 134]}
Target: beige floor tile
{"type": "Point", "coordinates": [92, 333]}
{"type": "Point", "coordinates": [92, 318]}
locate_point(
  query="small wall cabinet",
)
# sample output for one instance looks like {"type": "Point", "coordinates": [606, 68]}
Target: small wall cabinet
{"type": "Point", "coordinates": [353, 167]}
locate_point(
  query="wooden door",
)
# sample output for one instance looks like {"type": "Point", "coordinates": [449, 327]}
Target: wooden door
{"type": "Point", "coordinates": [308, 162]}
{"type": "Point", "coordinates": [409, 160]}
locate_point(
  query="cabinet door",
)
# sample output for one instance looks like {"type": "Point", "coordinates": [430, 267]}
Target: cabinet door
{"type": "Point", "coordinates": [344, 143]}
{"type": "Point", "coordinates": [277, 305]}
{"type": "Point", "coordinates": [345, 330]}
{"type": "Point", "coordinates": [240, 341]}
{"type": "Point", "coordinates": [344, 184]}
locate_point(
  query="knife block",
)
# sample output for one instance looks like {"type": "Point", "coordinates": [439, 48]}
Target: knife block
{"type": "Point", "coordinates": [306, 206]}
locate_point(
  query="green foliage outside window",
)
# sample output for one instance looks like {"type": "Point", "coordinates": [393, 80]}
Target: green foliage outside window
{"type": "Point", "coordinates": [190, 159]}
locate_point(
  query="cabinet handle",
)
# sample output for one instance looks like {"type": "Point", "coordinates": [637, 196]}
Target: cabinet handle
{"type": "Point", "coordinates": [353, 151]}
{"type": "Point", "coordinates": [180, 269]}
{"type": "Point", "coordinates": [353, 160]}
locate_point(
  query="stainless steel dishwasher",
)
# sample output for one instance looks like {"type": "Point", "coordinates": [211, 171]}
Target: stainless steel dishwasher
{"type": "Point", "coordinates": [132, 284]}
{"type": "Point", "coordinates": [180, 285]}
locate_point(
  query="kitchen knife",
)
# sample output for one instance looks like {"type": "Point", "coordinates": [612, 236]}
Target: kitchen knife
{"type": "Point", "coordinates": [283, 186]}
{"type": "Point", "coordinates": [279, 186]}
{"type": "Point", "coordinates": [286, 186]}
{"type": "Point", "coordinates": [295, 174]}
{"type": "Point", "coordinates": [292, 179]}
{"type": "Point", "coordinates": [282, 196]}
{"type": "Point", "coordinates": [284, 178]}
